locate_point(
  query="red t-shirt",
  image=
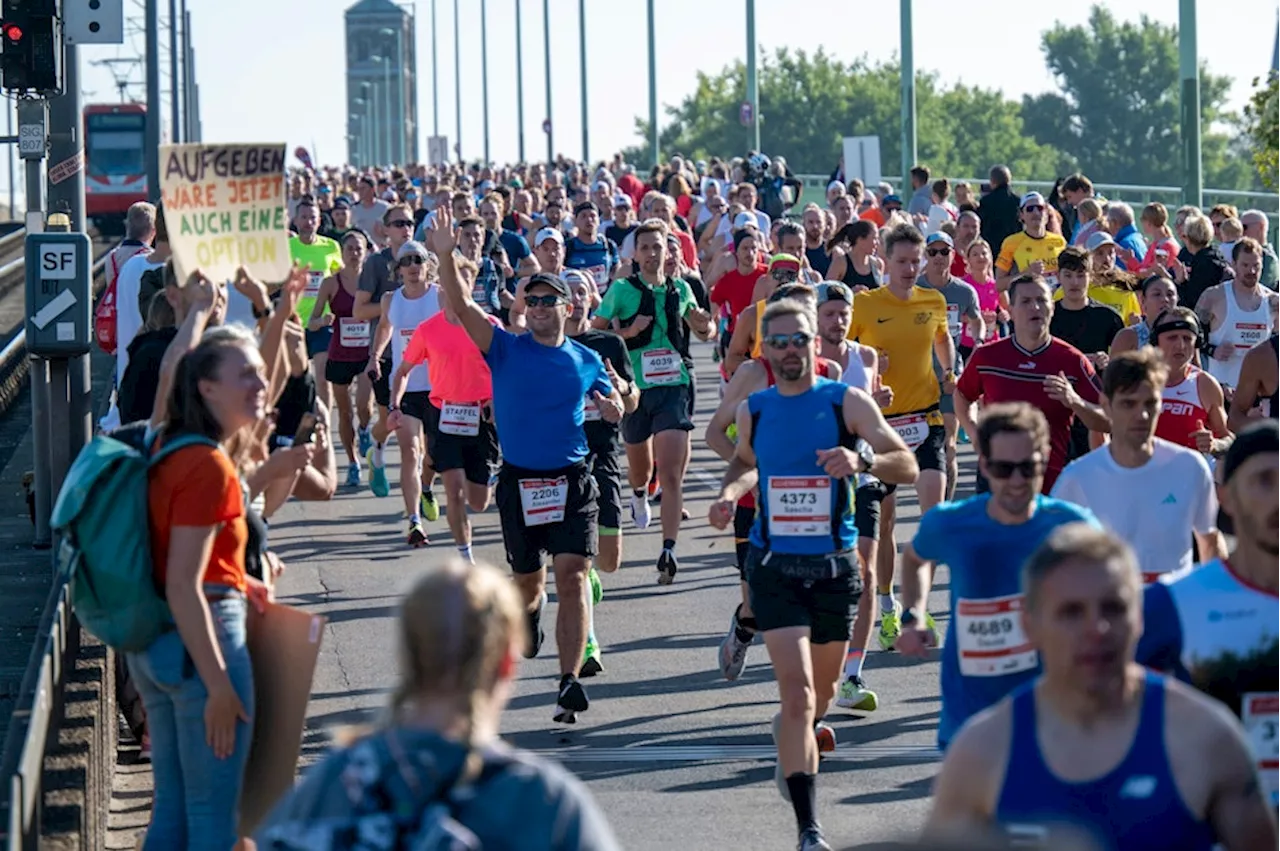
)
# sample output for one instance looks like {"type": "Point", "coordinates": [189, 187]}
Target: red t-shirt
{"type": "Point", "coordinates": [734, 289]}
{"type": "Point", "coordinates": [688, 248]}
{"type": "Point", "coordinates": [958, 267]}
{"type": "Point", "coordinates": [1003, 371]}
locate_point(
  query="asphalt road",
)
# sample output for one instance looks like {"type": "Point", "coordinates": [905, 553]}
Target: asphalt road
{"type": "Point", "coordinates": [676, 756]}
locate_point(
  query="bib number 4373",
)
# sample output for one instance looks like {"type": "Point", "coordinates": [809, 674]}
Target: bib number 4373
{"type": "Point", "coordinates": [799, 505]}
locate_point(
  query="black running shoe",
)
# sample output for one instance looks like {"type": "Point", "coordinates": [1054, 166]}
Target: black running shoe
{"type": "Point", "coordinates": [667, 567]}
{"type": "Point", "coordinates": [572, 700]}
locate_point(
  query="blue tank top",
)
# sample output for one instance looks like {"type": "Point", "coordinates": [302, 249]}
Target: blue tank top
{"type": "Point", "coordinates": [594, 258]}
{"type": "Point", "coordinates": [819, 259]}
{"type": "Point", "coordinates": [803, 511]}
{"type": "Point", "coordinates": [1134, 807]}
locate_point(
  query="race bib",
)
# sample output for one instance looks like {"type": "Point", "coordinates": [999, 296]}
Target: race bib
{"type": "Point", "coordinates": [912, 428]}
{"type": "Point", "coordinates": [660, 366]}
{"type": "Point", "coordinates": [353, 333]}
{"type": "Point", "coordinates": [1259, 714]}
{"type": "Point", "coordinates": [590, 412]}
{"type": "Point", "coordinates": [1249, 334]}
{"type": "Point", "coordinates": [462, 420]}
{"type": "Point", "coordinates": [599, 274]}
{"type": "Point", "coordinates": [314, 280]}
{"type": "Point", "coordinates": [953, 320]}
{"type": "Point", "coordinates": [990, 637]}
{"type": "Point", "coordinates": [1052, 280]}
{"type": "Point", "coordinates": [543, 501]}
{"type": "Point", "coordinates": [799, 505]}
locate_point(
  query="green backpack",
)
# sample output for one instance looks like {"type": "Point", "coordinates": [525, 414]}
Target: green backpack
{"type": "Point", "coordinates": [105, 551]}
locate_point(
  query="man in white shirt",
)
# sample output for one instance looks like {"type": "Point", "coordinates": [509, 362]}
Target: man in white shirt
{"type": "Point", "coordinates": [1154, 494]}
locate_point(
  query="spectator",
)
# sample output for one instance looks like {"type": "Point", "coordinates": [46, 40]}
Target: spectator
{"type": "Point", "coordinates": [1089, 220]}
{"type": "Point", "coordinates": [921, 193]}
{"type": "Point", "coordinates": [1218, 214]}
{"type": "Point", "coordinates": [1255, 227]}
{"type": "Point", "coordinates": [1130, 246]}
{"type": "Point", "coordinates": [999, 208]}
{"type": "Point", "coordinates": [965, 199]}
{"type": "Point", "coordinates": [1162, 250]}
{"type": "Point", "coordinates": [1229, 233]}
{"type": "Point", "coordinates": [461, 632]}
{"type": "Point", "coordinates": [939, 194]}
{"type": "Point", "coordinates": [1075, 189]}
{"type": "Point", "coordinates": [1207, 268]}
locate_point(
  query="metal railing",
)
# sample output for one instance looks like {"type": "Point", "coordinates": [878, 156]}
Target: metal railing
{"type": "Point", "coordinates": [40, 696]}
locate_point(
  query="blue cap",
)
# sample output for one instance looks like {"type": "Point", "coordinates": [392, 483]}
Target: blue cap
{"type": "Point", "coordinates": [940, 236]}
{"type": "Point", "coordinates": [891, 199]}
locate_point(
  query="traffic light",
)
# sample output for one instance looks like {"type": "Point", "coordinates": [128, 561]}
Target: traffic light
{"type": "Point", "coordinates": [31, 47]}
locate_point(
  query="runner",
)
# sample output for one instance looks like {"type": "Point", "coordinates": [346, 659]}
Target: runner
{"type": "Point", "coordinates": [1032, 251]}
{"type": "Point", "coordinates": [963, 313]}
{"type": "Point", "coordinates": [489, 278]}
{"type": "Point", "coordinates": [415, 301]}
{"type": "Point", "coordinates": [323, 257]}
{"type": "Point", "coordinates": [1193, 412]}
{"type": "Point", "coordinates": [1031, 366]}
{"type": "Point", "coordinates": [815, 252]}
{"type": "Point", "coordinates": [462, 444]}
{"type": "Point", "coordinates": [604, 443]}
{"type": "Point", "coordinates": [744, 342]}
{"type": "Point", "coordinates": [984, 541]}
{"type": "Point", "coordinates": [1099, 750]}
{"type": "Point", "coordinates": [545, 492]}
{"type": "Point", "coordinates": [1259, 388]}
{"type": "Point", "coordinates": [733, 279]}
{"type": "Point", "coordinates": [1156, 294]}
{"type": "Point", "coordinates": [658, 340]}
{"type": "Point", "coordinates": [1239, 314]}
{"type": "Point", "coordinates": [856, 264]}
{"type": "Point", "coordinates": [907, 325]}
{"type": "Point", "coordinates": [369, 214]}
{"type": "Point", "coordinates": [590, 250]}
{"type": "Point", "coordinates": [348, 351]}
{"type": "Point", "coordinates": [1215, 627]}
{"type": "Point", "coordinates": [1146, 490]}
{"type": "Point", "coordinates": [801, 572]}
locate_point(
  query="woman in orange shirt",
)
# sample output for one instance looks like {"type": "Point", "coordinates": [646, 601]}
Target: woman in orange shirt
{"type": "Point", "coordinates": [196, 680]}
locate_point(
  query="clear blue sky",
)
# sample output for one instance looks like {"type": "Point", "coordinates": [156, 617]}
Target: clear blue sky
{"type": "Point", "coordinates": [275, 71]}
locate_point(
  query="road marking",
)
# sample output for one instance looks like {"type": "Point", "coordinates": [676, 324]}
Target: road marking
{"type": "Point", "coordinates": [706, 480]}
{"type": "Point", "coordinates": [59, 303]}
{"type": "Point", "coordinates": [737, 753]}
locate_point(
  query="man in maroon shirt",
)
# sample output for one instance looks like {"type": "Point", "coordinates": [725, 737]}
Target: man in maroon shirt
{"type": "Point", "coordinates": [1032, 366]}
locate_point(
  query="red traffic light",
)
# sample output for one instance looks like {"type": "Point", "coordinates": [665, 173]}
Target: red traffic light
{"type": "Point", "coordinates": [13, 32]}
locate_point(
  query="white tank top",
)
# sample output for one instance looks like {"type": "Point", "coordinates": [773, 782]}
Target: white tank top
{"type": "Point", "coordinates": [855, 372]}
{"type": "Point", "coordinates": [406, 315]}
{"type": "Point", "coordinates": [1244, 329]}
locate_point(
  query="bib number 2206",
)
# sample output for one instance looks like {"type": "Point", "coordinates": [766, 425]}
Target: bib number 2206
{"type": "Point", "coordinates": [543, 501]}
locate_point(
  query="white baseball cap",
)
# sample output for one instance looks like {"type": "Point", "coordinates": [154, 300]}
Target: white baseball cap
{"type": "Point", "coordinates": [745, 220]}
{"type": "Point", "coordinates": [548, 233]}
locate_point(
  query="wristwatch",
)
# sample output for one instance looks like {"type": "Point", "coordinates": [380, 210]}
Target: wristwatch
{"type": "Point", "coordinates": [263, 314]}
{"type": "Point", "coordinates": [867, 455]}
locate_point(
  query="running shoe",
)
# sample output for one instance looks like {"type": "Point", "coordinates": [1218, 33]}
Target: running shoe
{"type": "Point", "coordinates": [890, 626]}
{"type": "Point", "coordinates": [811, 839]}
{"type": "Point", "coordinates": [640, 513]}
{"type": "Point", "coordinates": [534, 622]}
{"type": "Point", "coordinates": [365, 440]}
{"type": "Point", "coordinates": [931, 625]}
{"type": "Point", "coordinates": [353, 474]}
{"type": "Point", "coordinates": [417, 535]}
{"type": "Point", "coordinates": [826, 736]}
{"type": "Point", "coordinates": [854, 694]}
{"type": "Point", "coordinates": [667, 567]}
{"type": "Point", "coordinates": [733, 652]}
{"type": "Point", "coordinates": [655, 489]}
{"type": "Point", "coordinates": [778, 779]}
{"type": "Point", "coordinates": [572, 700]}
{"type": "Point", "coordinates": [430, 510]}
{"type": "Point", "coordinates": [377, 476]}
{"type": "Point", "coordinates": [597, 590]}
{"type": "Point", "coordinates": [591, 664]}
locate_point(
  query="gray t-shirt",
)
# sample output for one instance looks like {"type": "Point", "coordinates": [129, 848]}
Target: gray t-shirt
{"type": "Point", "coordinates": [365, 218]}
{"type": "Point", "coordinates": [378, 278]}
{"type": "Point", "coordinates": [962, 304]}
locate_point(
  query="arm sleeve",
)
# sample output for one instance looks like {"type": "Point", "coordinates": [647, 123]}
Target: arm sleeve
{"type": "Point", "coordinates": [929, 542]}
{"type": "Point", "coordinates": [1087, 386]}
{"type": "Point", "coordinates": [1067, 488]}
{"type": "Point", "coordinates": [522, 250]}
{"type": "Point", "coordinates": [620, 360]}
{"type": "Point", "coordinates": [369, 274]}
{"type": "Point", "coordinates": [1005, 261]}
{"type": "Point", "coordinates": [972, 309]}
{"type": "Point", "coordinates": [608, 308]}
{"type": "Point", "coordinates": [498, 347]}
{"type": "Point", "coordinates": [416, 352]}
{"type": "Point", "coordinates": [970, 381]}
{"type": "Point", "coordinates": [1161, 644]}
{"type": "Point", "coordinates": [1205, 518]}
{"type": "Point", "coordinates": [205, 490]}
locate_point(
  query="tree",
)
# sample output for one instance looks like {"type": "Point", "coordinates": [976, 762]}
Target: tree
{"type": "Point", "coordinates": [1118, 116]}
{"type": "Point", "coordinates": [1262, 129]}
{"type": "Point", "coordinates": [810, 102]}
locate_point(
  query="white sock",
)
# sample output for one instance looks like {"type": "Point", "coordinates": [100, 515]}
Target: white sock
{"type": "Point", "coordinates": [464, 550]}
{"type": "Point", "coordinates": [887, 602]}
{"type": "Point", "coordinates": [377, 455]}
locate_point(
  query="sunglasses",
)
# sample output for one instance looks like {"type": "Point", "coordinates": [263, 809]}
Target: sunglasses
{"type": "Point", "coordinates": [1032, 208]}
{"type": "Point", "coordinates": [543, 300]}
{"type": "Point", "coordinates": [413, 260]}
{"type": "Point", "coordinates": [400, 223]}
{"type": "Point", "coordinates": [940, 251]}
{"type": "Point", "coordinates": [891, 209]}
{"type": "Point", "coordinates": [785, 277]}
{"type": "Point", "coordinates": [779, 342]}
{"type": "Point", "coordinates": [1005, 469]}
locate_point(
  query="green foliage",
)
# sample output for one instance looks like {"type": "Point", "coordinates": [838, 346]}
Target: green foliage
{"type": "Point", "coordinates": [1262, 129]}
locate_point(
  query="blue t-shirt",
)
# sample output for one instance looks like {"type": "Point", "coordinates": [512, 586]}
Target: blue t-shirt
{"type": "Point", "coordinates": [597, 258]}
{"type": "Point", "coordinates": [986, 654]}
{"type": "Point", "coordinates": [538, 393]}
{"type": "Point", "coordinates": [517, 248]}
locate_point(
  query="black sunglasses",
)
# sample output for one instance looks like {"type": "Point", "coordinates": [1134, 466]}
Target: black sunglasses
{"type": "Point", "coordinates": [543, 300]}
{"type": "Point", "coordinates": [1032, 208]}
{"type": "Point", "coordinates": [798, 340]}
{"type": "Point", "coordinates": [1005, 469]}
{"type": "Point", "coordinates": [400, 223]}
{"type": "Point", "coordinates": [785, 276]}
{"type": "Point", "coordinates": [939, 252]}
{"type": "Point", "coordinates": [412, 260]}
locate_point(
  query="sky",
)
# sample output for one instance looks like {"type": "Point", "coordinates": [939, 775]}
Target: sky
{"type": "Point", "coordinates": [268, 73]}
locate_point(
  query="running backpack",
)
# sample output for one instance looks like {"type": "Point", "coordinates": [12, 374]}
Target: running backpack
{"type": "Point", "coordinates": [105, 549]}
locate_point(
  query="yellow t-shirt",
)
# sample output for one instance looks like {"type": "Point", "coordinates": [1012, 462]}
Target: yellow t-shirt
{"type": "Point", "coordinates": [1124, 302]}
{"type": "Point", "coordinates": [757, 346]}
{"type": "Point", "coordinates": [1020, 251]}
{"type": "Point", "coordinates": [903, 330]}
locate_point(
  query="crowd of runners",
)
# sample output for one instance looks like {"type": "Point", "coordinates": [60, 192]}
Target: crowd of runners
{"type": "Point", "coordinates": [521, 332]}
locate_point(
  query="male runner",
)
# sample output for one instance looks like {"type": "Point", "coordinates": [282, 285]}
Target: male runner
{"type": "Point", "coordinates": [658, 341]}
{"type": "Point", "coordinates": [815, 248]}
{"type": "Point", "coordinates": [962, 310]}
{"type": "Point", "coordinates": [603, 441]}
{"type": "Point", "coordinates": [984, 541]}
{"type": "Point", "coordinates": [907, 325]}
{"type": "Point", "coordinates": [1099, 750]}
{"type": "Point", "coordinates": [369, 214]}
{"type": "Point", "coordinates": [801, 572]}
{"type": "Point", "coordinates": [591, 251]}
{"type": "Point", "coordinates": [1148, 491]}
{"type": "Point", "coordinates": [1237, 314]}
{"type": "Point", "coordinates": [1259, 385]}
{"type": "Point", "coordinates": [1216, 627]}
{"type": "Point", "coordinates": [488, 278]}
{"type": "Point", "coordinates": [744, 340]}
{"type": "Point", "coordinates": [415, 301]}
{"type": "Point", "coordinates": [1033, 250]}
{"type": "Point", "coordinates": [322, 257]}
{"type": "Point", "coordinates": [545, 493]}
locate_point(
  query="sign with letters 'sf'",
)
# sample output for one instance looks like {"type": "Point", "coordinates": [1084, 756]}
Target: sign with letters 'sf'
{"type": "Point", "coordinates": [59, 294]}
{"type": "Point", "coordinates": [224, 207]}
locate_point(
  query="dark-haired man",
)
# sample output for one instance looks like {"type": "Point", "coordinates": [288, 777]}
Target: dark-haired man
{"type": "Point", "coordinates": [591, 251]}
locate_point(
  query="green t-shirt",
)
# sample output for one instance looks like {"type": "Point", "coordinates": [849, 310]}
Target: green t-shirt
{"type": "Point", "coordinates": [657, 364]}
{"type": "Point", "coordinates": [324, 258]}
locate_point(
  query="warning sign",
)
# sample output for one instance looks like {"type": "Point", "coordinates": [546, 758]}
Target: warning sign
{"type": "Point", "coordinates": [67, 167]}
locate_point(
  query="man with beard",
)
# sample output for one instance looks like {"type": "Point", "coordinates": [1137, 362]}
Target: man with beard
{"type": "Point", "coordinates": [802, 567]}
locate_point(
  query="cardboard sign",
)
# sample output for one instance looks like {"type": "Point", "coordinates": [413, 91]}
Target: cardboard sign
{"type": "Point", "coordinates": [284, 644]}
{"type": "Point", "coordinates": [224, 206]}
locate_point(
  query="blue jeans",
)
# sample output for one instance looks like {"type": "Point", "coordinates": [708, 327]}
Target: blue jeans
{"type": "Point", "coordinates": [197, 795]}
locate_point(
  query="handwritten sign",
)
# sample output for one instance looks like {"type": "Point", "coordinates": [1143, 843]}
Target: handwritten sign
{"type": "Point", "coordinates": [224, 207]}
